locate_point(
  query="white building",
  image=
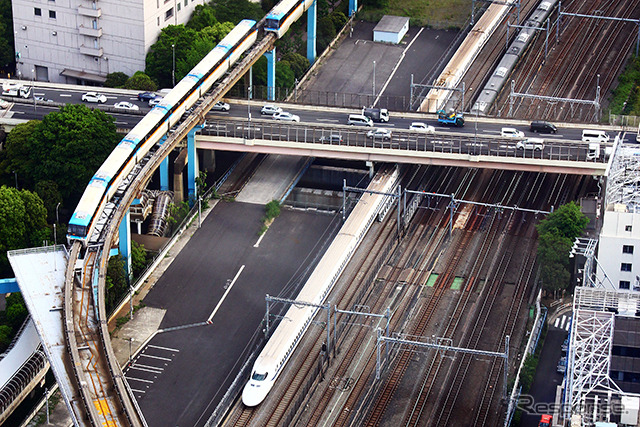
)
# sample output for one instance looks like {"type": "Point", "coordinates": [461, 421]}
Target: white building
{"type": "Point", "coordinates": [619, 249]}
{"type": "Point", "coordinates": [619, 240]}
{"type": "Point", "coordinates": [81, 41]}
{"type": "Point", "coordinates": [391, 29]}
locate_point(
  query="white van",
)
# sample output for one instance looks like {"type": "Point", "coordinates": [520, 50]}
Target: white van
{"type": "Point", "coordinates": [589, 135]}
{"type": "Point", "coordinates": [511, 133]}
{"type": "Point", "coordinates": [359, 120]}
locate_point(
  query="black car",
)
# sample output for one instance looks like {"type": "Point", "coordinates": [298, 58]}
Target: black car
{"type": "Point", "coordinates": [146, 96]}
{"type": "Point", "coordinates": [543, 127]}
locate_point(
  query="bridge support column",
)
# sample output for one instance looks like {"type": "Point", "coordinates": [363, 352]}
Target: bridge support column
{"type": "Point", "coordinates": [311, 32]}
{"type": "Point", "coordinates": [353, 7]}
{"type": "Point", "coordinates": [124, 232]}
{"type": "Point", "coordinates": [271, 74]}
{"type": "Point", "coordinates": [192, 165]}
{"type": "Point", "coordinates": [8, 286]}
{"type": "Point", "coordinates": [164, 170]}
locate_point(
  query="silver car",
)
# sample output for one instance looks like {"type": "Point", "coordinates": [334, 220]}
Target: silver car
{"type": "Point", "coordinates": [286, 117]}
{"type": "Point", "coordinates": [270, 110]}
{"type": "Point", "coordinates": [94, 97]}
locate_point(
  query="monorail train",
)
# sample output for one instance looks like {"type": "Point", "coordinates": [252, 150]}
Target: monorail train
{"type": "Point", "coordinates": [271, 361]}
{"type": "Point", "coordinates": [285, 13]}
{"type": "Point", "coordinates": [153, 127]}
{"type": "Point", "coordinates": [508, 62]}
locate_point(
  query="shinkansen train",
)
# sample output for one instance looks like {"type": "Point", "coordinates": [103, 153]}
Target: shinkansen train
{"type": "Point", "coordinates": [278, 350]}
{"type": "Point", "coordinates": [508, 62]}
{"type": "Point", "coordinates": [108, 180]}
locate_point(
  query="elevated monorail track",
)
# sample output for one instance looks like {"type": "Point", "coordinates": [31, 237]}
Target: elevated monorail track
{"type": "Point", "coordinates": [107, 398]}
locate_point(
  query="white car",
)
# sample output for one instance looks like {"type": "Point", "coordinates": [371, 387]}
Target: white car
{"type": "Point", "coordinates": [536, 144]}
{"type": "Point", "coordinates": [94, 97]}
{"type": "Point", "coordinates": [124, 105]}
{"type": "Point", "coordinates": [270, 109]}
{"type": "Point", "coordinates": [286, 117]}
{"type": "Point", "coordinates": [380, 133]}
{"type": "Point", "coordinates": [220, 106]}
{"type": "Point", "coordinates": [511, 133]}
{"type": "Point", "coordinates": [422, 127]}
{"type": "Point", "coordinates": [155, 101]}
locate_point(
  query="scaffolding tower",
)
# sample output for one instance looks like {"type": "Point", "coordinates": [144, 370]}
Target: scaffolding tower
{"type": "Point", "coordinates": [623, 182]}
{"type": "Point", "coordinates": [589, 353]}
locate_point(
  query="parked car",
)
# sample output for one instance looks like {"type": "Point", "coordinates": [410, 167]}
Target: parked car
{"type": "Point", "coordinates": [124, 105]}
{"type": "Point", "coordinates": [422, 127]}
{"type": "Point", "coordinates": [286, 117]}
{"type": "Point", "coordinates": [565, 345]}
{"type": "Point", "coordinates": [331, 139]}
{"type": "Point", "coordinates": [155, 101]}
{"type": "Point", "coordinates": [94, 97]}
{"type": "Point", "coordinates": [270, 110]}
{"type": "Point", "coordinates": [380, 134]}
{"type": "Point", "coordinates": [146, 96]}
{"type": "Point", "coordinates": [220, 106]}
{"type": "Point", "coordinates": [536, 144]}
{"type": "Point", "coordinates": [511, 133]}
{"type": "Point", "coordinates": [562, 365]}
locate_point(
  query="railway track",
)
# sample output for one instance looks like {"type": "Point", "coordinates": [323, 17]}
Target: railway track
{"type": "Point", "coordinates": [578, 64]}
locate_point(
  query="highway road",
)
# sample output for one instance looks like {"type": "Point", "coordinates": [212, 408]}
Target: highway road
{"type": "Point", "coordinates": [181, 374]}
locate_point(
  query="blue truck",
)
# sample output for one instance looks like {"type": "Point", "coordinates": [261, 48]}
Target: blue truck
{"type": "Point", "coordinates": [450, 119]}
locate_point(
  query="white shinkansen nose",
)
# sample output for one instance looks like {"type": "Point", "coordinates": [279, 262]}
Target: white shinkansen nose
{"type": "Point", "coordinates": [255, 392]}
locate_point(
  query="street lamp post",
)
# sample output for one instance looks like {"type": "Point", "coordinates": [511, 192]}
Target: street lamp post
{"type": "Point", "coordinates": [173, 69]}
{"type": "Point", "coordinates": [374, 80]}
{"type": "Point", "coordinates": [33, 92]}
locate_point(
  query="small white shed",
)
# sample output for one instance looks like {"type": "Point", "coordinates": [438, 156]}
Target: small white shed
{"type": "Point", "coordinates": [391, 29]}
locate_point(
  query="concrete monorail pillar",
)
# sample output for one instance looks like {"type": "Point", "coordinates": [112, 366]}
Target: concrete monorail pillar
{"type": "Point", "coordinates": [311, 32]}
{"type": "Point", "coordinates": [192, 165]}
{"type": "Point", "coordinates": [353, 7]}
{"type": "Point", "coordinates": [124, 232]}
{"type": "Point", "coordinates": [271, 74]}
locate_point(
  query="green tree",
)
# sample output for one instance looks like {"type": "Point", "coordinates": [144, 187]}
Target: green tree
{"type": "Point", "coordinates": [567, 220]}
{"type": "Point", "coordinates": [67, 147]}
{"type": "Point", "coordinates": [339, 19]}
{"type": "Point", "coordinates": [298, 63]}
{"type": "Point", "coordinates": [284, 75]}
{"type": "Point", "coordinates": [159, 60]}
{"type": "Point", "coordinates": [16, 311]}
{"type": "Point", "coordinates": [115, 282]}
{"type": "Point", "coordinates": [140, 81]}
{"type": "Point", "coordinates": [236, 10]}
{"type": "Point", "coordinates": [203, 16]}
{"type": "Point", "coordinates": [117, 79]}
{"type": "Point", "coordinates": [203, 43]}
{"type": "Point", "coordinates": [7, 50]}
{"type": "Point", "coordinates": [139, 259]}
{"type": "Point", "coordinates": [556, 235]}
{"type": "Point", "coordinates": [50, 195]}
{"type": "Point", "coordinates": [326, 33]}
{"type": "Point", "coordinates": [5, 337]}
{"type": "Point", "coordinates": [22, 223]}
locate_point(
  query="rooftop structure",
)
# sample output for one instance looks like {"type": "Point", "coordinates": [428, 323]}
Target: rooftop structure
{"type": "Point", "coordinates": [81, 42]}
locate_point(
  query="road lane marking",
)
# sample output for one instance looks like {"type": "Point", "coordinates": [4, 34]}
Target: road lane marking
{"type": "Point", "coordinates": [155, 357]}
{"type": "Point", "coordinates": [213, 313]}
{"type": "Point", "coordinates": [557, 322]}
{"type": "Point", "coordinates": [164, 348]}
{"type": "Point", "coordinates": [138, 379]}
{"type": "Point", "coordinates": [65, 95]}
{"type": "Point", "coordinates": [137, 391]}
{"type": "Point", "coordinates": [259, 240]}
{"type": "Point", "coordinates": [144, 370]}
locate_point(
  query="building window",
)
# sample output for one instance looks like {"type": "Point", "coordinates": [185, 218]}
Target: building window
{"type": "Point", "coordinates": [624, 284]}
{"type": "Point", "coordinates": [186, 2]}
{"type": "Point", "coordinates": [94, 24]}
{"type": "Point", "coordinates": [179, 6]}
{"type": "Point", "coordinates": [627, 249]}
{"type": "Point", "coordinates": [37, 11]}
{"type": "Point", "coordinates": [625, 266]}
{"type": "Point", "coordinates": [158, 21]}
{"type": "Point", "coordinates": [627, 228]}
{"type": "Point", "coordinates": [168, 14]}
{"type": "Point", "coordinates": [52, 14]}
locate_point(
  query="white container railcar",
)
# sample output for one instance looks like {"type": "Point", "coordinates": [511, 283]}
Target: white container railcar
{"type": "Point", "coordinates": [271, 361]}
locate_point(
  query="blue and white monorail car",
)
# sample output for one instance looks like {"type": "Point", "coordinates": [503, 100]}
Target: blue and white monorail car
{"type": "Point", "coordinates": [154, 126]}
{"type": "Point", "coordinates": [285, 13]}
